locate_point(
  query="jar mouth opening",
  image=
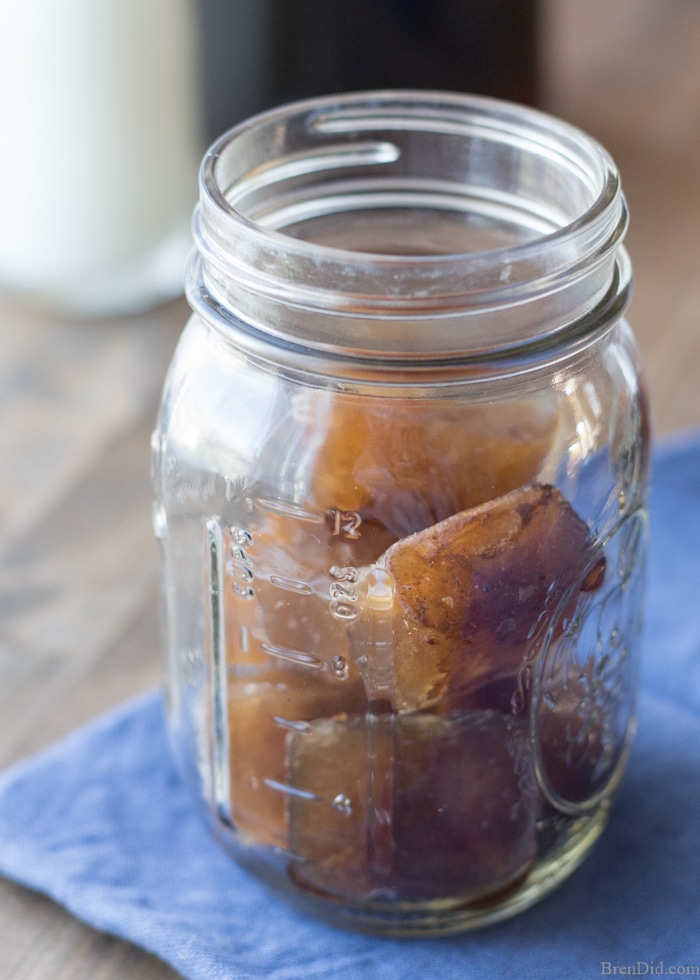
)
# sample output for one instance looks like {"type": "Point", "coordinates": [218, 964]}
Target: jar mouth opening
{"type": "Point", "coordinates": [402, 205]}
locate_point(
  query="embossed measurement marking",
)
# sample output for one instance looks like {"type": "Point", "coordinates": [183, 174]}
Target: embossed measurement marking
{"type": "Point", "coordinates": [302, 727]}
{"type": "Point", "coordinates": [344, 523]}
{"type": "Point", "coordinates": [291, 585]}
{"type": "Point", "coordinates": [290, 510]}
{"type": "Point", "coordinates": [303, 794]}
{"type": "Point", "coordinates": [343, 604]}
{"type": "Point", "coordinates": [342, 804]}
{"type": "Point", "coordinates": [295, 656]}
{"type": "Point", "coordinates": [243, 571]}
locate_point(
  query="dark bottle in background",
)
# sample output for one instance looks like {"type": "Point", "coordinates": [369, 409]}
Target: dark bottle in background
{"type": "Point", "coordinates": [260, 53]}
{"type": "Point", "coordinates": [482, 46]}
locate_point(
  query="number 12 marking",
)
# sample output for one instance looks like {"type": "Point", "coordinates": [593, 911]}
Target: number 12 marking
{"type": "Point", "coordinates": [344, 523]}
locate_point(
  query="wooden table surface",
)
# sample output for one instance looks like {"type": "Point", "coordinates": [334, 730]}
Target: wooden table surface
{"type": "Point", "coordinates": [78, 575]}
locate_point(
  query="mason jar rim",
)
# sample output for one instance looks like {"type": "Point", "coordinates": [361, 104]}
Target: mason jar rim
{"type": "Point", "coordinates": [323, 155]}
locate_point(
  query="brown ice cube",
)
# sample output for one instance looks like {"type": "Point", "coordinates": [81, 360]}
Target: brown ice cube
{"type": "Point", "coordinates": [405, 464]}
{"type": "Point", "coordinates": [474, 592]}
{"type": "Point", "coordinates": [261, 716]}
{"type": "Point", "coordinates": [448, 812]}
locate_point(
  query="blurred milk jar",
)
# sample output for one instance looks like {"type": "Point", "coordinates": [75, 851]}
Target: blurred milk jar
{"type": "Point", "coordinates": [99, 105]}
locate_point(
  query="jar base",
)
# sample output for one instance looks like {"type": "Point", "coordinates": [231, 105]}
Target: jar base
{"type": "Point", "coordinates": [438, 917]}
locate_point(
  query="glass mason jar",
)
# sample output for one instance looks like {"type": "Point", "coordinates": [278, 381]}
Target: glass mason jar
{"type": "Point", "coordinates": [401, 467]}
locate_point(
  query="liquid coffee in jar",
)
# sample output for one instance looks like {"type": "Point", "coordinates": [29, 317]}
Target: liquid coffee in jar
{"type": "Point", "coordinates": [401, 470]}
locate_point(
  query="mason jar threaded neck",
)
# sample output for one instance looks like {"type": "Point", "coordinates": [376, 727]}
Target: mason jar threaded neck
{"type": "Point", "coordinates": [410, 226]}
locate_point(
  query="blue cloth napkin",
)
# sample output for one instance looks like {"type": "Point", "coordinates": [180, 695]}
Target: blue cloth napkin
{"type": "Point", "coordinates": [101, 823]}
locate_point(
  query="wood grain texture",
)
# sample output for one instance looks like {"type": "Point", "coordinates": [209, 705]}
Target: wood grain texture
{"type": "Point", "coordinates": [40, 939]}
{"type": "Point", "coordinates": [78, 576]}
{"type": "Point", "coordinates": [628, 73]}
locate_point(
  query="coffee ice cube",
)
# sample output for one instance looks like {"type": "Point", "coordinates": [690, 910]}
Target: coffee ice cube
{"type": "Point", "coordinates": [411, 807]}
{"type": "Point", "coordinates": [476, 591]}
{"type": "Point", "coordinates": [407, 463]}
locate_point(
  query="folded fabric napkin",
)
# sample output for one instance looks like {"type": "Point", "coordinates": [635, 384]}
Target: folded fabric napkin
{"type": "Point", "coordinates": [102, 824]}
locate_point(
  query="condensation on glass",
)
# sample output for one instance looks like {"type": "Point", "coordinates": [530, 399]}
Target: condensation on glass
{"type": "Point", "coordinates": [400, 470]}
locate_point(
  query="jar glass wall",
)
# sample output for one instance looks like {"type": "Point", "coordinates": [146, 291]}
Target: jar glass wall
{"type": "Point", "coordinates": [401, 467]}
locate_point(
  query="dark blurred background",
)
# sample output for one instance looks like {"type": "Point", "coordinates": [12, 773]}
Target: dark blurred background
{"type": "Point", "coordinates": [263, 53]}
